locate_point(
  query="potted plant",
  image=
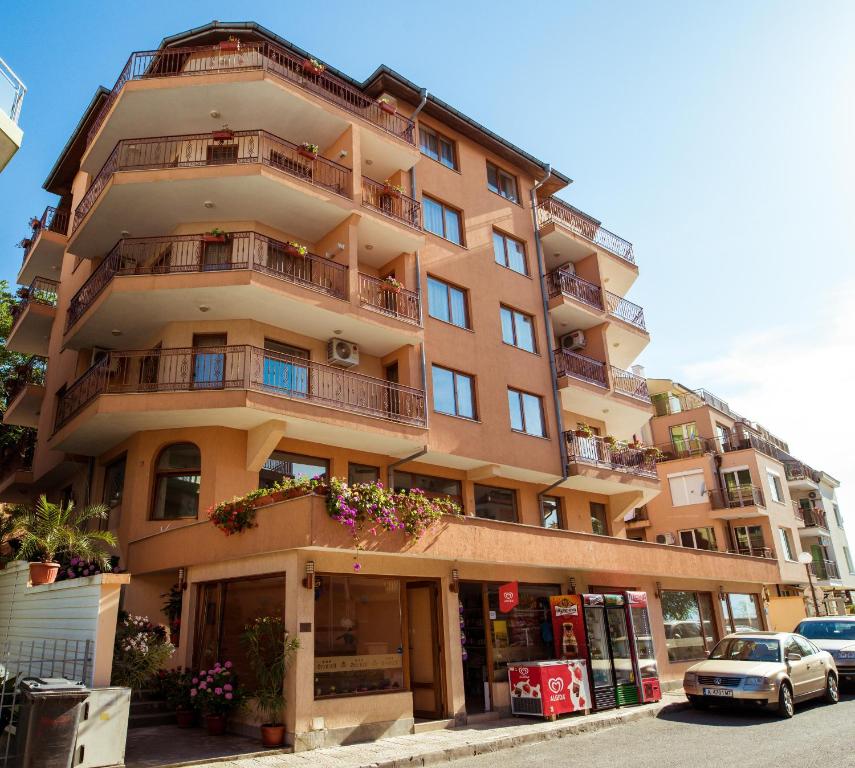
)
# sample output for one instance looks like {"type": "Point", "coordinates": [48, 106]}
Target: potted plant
{"type": "Point", "coordinates": [140, 650]}
{"type": "Point", "coordinates": [25, 243]}
{"type": "Point", "coordinates": [391, 285]}
{"type": "Point", "coordinates": [583, 430]}
{"type": "Point", "coordinates": [651, 452]}
{"type": "Point", "coordinates": [610, 441]}
{"type": "Point", "coordinates": [35, 223]}
{"type": "Point", "coordinates": [313, 67]}
{"type": "Point", "coordinates": [216, 694]}
{"type": "Point", "coordinates": [49, 529]}
{"type": "Point", "coordinates": [175, 685]}
{"type": "Point", "coordinates": [232, 44]}
{"type": "Point", "coordinates": [23, 293]}
{"type": "Point", "coordinates": [216, 235]}
{"type": "Point", "coordinates": [224, 134]}
{"type": "Point", "coordinates": [387, 106]}
{"type": "Point", "coordinates": [295, 249]}
{"type": "Point", "coordinates": [392, 190]}
{"type": "Point", "coordinates": [308, 150]}
{"type": "Point", "coordinates": [269, 650]}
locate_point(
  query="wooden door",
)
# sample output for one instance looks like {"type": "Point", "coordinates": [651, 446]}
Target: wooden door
{"type": "Point", "coordinates": [425, 649]}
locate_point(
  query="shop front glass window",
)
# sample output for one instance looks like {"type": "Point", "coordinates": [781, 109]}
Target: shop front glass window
{"type": "Point", "coordinates": [525, 632]}
{"type": "Point", "coordinates": [689, 624]}
{"type": "Point", "coordinates": [742, 612]}
{"type": "Point", "coordinates": [358, 641]}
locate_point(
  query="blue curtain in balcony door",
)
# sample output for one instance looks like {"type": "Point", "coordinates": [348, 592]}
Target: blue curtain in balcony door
{"type": "Point", "coordinates": [289, 378]}
{"type": "Point", "coordinates": [209, 370]}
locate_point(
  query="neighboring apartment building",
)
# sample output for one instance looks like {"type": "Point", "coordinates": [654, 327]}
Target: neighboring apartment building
{"type": "Point", "coordinates": [12, 92]}
{"type": "Point", "coordinates": [730, 485]}
{"type": "Point", "coordinates": [187, 365]}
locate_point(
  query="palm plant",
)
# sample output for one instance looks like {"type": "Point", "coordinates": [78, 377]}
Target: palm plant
{"type": "Point", "coordinates": [269, 649]}
{"type": "Point", "coordinates": [50, 529]}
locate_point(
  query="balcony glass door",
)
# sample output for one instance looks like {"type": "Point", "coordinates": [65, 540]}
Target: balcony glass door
{"type": "Point", "coordinates": [737, 485]}
{"type": "Point", "coordinates": [286, 376]}
{"type": "Point", "coordinates": [209, 367]}
{"type": "Point", "coordinates": [749, 540]}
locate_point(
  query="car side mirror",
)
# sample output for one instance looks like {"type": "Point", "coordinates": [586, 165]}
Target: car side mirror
{"type": "Point", "coordinates": [794, 657]}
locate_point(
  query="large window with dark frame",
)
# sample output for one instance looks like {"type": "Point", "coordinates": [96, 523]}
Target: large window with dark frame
{"type": "Point", "coordinates": [526, 413]}
{"type": "Point", "coordinates": [509, 252]}
{"type": "Point", "coordinates": [282, 465]}
{"type": "Point", "coordinates": [517, 329]}
{"type": "Point", "coordinates": [699, 538]}
{"type": "Point", "coordinates": [447, 302]}
{"type": "Point", "coordinates": [437, 147]}
{"type": "Point", "coordinates": [453, 393]}
{"type": "Point", "coordinates": [433, 487]}
{"type": "Point", "coordinates": [114, 482]}
{"type": "Point", "coordinates": [178, 476]}
{"type": "Point", "coordinates": [741, 612]}
{"type": "Point", "coordinates": [690, 631]}
{"type": "Point", "coordinates": [442, 220]}
{"type": "Point", "coordinates": [502, 183]}
{"type": "Point", "coordinates": [492, 503]}
{"type": "Point", "coordinates": [550, 512]}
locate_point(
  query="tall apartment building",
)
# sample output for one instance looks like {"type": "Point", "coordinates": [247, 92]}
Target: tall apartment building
{"type": "Point", "coordinates": [731, 485]}
{"type": "Point", "coordinates": [12, 92]}
{"type": "Point", "coordinates": [194, 353]}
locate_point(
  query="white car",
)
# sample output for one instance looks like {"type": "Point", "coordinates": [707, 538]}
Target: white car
{"type": "Point", "coordinates": [835, 634]}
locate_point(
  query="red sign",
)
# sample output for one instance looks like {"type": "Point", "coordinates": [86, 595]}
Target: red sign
{"type": "Point", "coordinates": [509, 596]}
{"type": "Point", "coordinates": [568, 627]}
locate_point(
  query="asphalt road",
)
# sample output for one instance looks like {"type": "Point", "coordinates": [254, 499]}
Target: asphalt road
{"type": "Point", "coordinates": [818, 736]}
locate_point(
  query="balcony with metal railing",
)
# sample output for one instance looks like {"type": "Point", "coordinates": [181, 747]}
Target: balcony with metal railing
{"type": "Point", "coordinates": [815, 520]}
{"type": "Point", "coordinates": [553, 210]}
{"type": "Point", "coordinates": [800, 476]}
{"type": "Point", "coordinates": [247, 385]}
{"type": "Point", "coordinates": [824, 570]}
{"type": "Point", "coordinates": [16, 463]}
{"type": "Point", "coordinates": [737, 502]}
{"type": "Point", "coordinates": [45, 245]}
{"type": "Point", "coordinates": [604, 454]}
{"type": "Point", "coordinates": [12, 91]}
{"type": "Point", "coordinates": [32, 317]}
{"type": "Point", "coordinates": [143, 280]}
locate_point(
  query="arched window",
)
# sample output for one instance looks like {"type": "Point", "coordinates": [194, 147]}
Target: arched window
{"type": "Point", "coordinates": [178, 475]}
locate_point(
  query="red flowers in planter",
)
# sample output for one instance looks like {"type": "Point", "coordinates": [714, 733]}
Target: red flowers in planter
{"type": "Point", "coordinates": [238, 514]}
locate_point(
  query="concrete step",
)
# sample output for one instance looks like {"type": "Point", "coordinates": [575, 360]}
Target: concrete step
{"type": "Point", "coordinates": [482, 717]}
{"type": "Point", "coordinates": [423, 726]}
{"type": "Point", "coordinates": [148, 707]}
{"type": "Point", "coordinates": [150, 719]}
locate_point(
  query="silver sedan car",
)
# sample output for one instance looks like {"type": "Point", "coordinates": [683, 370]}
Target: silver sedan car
{"type": "Point", "coordinates": [835, 634]}
{"type": "Point", "coordinates": [763, 669]}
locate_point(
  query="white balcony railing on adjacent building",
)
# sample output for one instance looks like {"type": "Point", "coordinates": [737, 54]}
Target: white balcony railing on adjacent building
{"type": "Point", "coordinates": [12, 91]}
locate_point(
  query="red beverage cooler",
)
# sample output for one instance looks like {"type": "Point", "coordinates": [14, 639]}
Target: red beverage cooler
{"type": "Point", "coordinates": [641, 645]}
{"type": "Point", "coordinates": [549, 688]}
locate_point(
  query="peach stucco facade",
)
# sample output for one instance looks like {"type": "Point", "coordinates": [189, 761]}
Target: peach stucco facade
{"type": "Point", "coordinates": [164, 336]}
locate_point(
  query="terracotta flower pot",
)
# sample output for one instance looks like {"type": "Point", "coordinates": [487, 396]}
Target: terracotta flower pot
{"type": "Point", "coordinates": [229, 45]}
{"type": "Point", "coordinates": [580, 433]}
{"type": "Point", "coordinates": [389, 109]}
{"type": "Point", "coordinates": [311, 69]}
{"type": "Point", "coordinates": [272, 735]}
{"type": "Point", "coordinates": [215, 724]}
{"type": "Point", "coordinates": [307, 153]}
{"type": "Point", "coordinates": [223, 135]}
{"type": "Point", "coordinates": [186, 718]}
{"type": "Point", "coordinates": [43, 573]}
{"type": "Point", "coordinates": [213, 238]}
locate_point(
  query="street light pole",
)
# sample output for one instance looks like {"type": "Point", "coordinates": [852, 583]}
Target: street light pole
{"type": "Point", "coordinates": [806, 558]}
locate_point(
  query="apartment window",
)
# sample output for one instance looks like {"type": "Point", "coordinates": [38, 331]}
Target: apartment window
{"type": "Point", "coordinates": [437, 147]}
{"type": "Point", "coordinates": [690, 631]}
{"type": "Point", "coordinates": [362, 473]}
{"type": "Point", "coordinates": [453, 393]}
{"type": "Point", "coordinates": [722, 434]}
{"type": "Point", "coordinates": [749, 540]}
{"type": "Point", "coordinates": [684, 438]}
{"type": "Point", "coordinates": [509, 253]}
{"type": "Point", "coordinates": [848, 555]}
{"type": "Point", "coordinates": [114, 482]}
{"type": "Point", "coordinates": [493, 503]}
{"type": "Point", "coordinates": [738, 486]}
{"type": "Point", "coordinates": [517, 329]}
{"type": "Point", "coordinates": [433, 487]}
{"type": "Point", "coordinates": [442, 220]}
{"type": "Point", "coordinates": [526, 413]}
{"type": "Point", "coordinates": [292, 466]}
{"type": "Point", "coordinates": [699, 538]}
{"type": "Point", "coordinates": [447, 303]}
{"type": "Point", "coordinates": [599, 518]}
{"type": "Point", "coordinates": [502, 183]}
{"type": "Point", "coordinates": [786, 544]}
{"type": "Point", "coordinates": [837, 515]}
{"type": "Point", "coordinates": [550, 512]}
{"type": "Point", "coordinates": [178, 475]}
{"type": "Point", "coordinates": [775, 486]}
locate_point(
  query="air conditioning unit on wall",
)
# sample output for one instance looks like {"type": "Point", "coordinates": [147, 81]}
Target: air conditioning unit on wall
{"type": "Point", "coordinates": [666, 538]}
{"type": "Point", "coordinates": [573, 340]}
{"type": "Point", "coordinates": [342, 353]}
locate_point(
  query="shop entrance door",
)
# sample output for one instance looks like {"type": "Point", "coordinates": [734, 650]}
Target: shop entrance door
{"type": "Point", "coordinates": [425, 649]}
{"type": "Point", "coordinates": [476, 683]}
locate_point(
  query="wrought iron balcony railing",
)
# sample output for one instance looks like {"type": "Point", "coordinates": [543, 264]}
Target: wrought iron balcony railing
{"type": "Point", "coordinates": [598, 452]}
{"type": "Point", "coordinates": [52, 220]}
{"type": "Point", "coordinates": [625, 310]}
{"type": "Point", "coordinates": [553, 209]}
{"type": "Point", "coordinates": [206, 369]}
{"type": "Point", "coordinates": [392, 203]}
{"type": "Point", "coordinates": [278, 61]}
{"type": "Point", "coordinates": [31, 372]}
{"type": "Point", "coordinates": [815, 518]}
{"type": "Point", "coordinates": [736, 497]}
{"type": "Point", "coordinates": [40, 291]}
{"type": "Point", "coordinates": [18, 448]}
{"type": "Point", "coordinates": [387, 299]}
{"type": "Point", "coordinates": [824, 569]}
{"type": "Point", "coordinates": [630, 384]}
{"type": "Point", "coordinates": [580, 367]}
{"type": "Point", "coordinates": [561, 282]}
{"type": "Point", "coordinates": [212, 149]}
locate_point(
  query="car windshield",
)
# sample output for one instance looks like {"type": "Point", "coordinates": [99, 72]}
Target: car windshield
{"type": "Point", "coordinates": [748, 649]}
{"type": "Point", "coordinates": [827, 630]}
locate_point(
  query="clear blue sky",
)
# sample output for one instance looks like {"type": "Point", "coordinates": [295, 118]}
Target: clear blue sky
{"type": "Point", "coordinates": [717, 137]}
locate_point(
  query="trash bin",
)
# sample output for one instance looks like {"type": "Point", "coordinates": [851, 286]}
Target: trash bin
{"type": "Point", "coordinates": [47, 726]}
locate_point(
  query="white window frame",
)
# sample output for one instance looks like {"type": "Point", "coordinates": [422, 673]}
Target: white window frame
{"type": "Point", "coordinates": [787, 545]}
{"type": "Point", "coordinates": [774, 487]}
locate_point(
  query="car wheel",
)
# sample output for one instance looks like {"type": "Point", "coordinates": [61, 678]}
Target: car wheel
{"type": "Point", "coordinates": [698, 702]}
{"type": "Point", "coordinates": [832, 692]}
{"type": "Point", "coordinates": [785, 708]}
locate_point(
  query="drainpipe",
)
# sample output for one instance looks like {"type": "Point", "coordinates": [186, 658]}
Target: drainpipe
{"type": "Point", "coordinates": [424, 95]}
{"type": "Point", "coordinates": [390, 470]}
{"type": "Point", "coordinates": [547, 324]}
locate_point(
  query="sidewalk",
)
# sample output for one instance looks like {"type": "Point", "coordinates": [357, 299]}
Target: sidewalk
{"type": "Point", "coordinates": [444, 745]}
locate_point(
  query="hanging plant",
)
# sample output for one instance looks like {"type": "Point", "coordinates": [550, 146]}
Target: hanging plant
{"type": "Point", "coordinates": [370, 508]}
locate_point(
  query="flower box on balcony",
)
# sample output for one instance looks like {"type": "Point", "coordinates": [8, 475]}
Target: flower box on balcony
{"type": "Point", "coordinates": [388, 107]}
{"type": "Point", "coordinates": [35, 223]}
{"type": "Point", "coordinates": [230, 45]}
{"type": "Point", "coordinates": [391, 191]}
{"type": "Point", "coordinates": [312, 67]}
{"type": "Point", "coordinates": [213, 238]}
{"type": "Point", "coordinates": [225, 134]}
{"type": "Point", "coordinates": [308, 153]}
{"type": "Point", "coordinates": [295, 249]}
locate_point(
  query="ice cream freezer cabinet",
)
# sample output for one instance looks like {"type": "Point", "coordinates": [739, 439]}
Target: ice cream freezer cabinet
{"type": "Point", "coordinates": [549, 688]}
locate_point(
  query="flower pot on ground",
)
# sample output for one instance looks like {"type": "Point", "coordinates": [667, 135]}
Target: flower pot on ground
{"type": "Point", "coordinates": [272, 735]}
{"type": "Point", "coordinates": [216, 694]}
{"type": "Point", "coordinates": [215, 724]}
{"type": "Point", "coordinates": [43, 573]}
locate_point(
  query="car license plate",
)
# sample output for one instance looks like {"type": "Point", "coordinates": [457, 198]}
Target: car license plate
{"type": "Point", "coordinates": [718, 692]}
